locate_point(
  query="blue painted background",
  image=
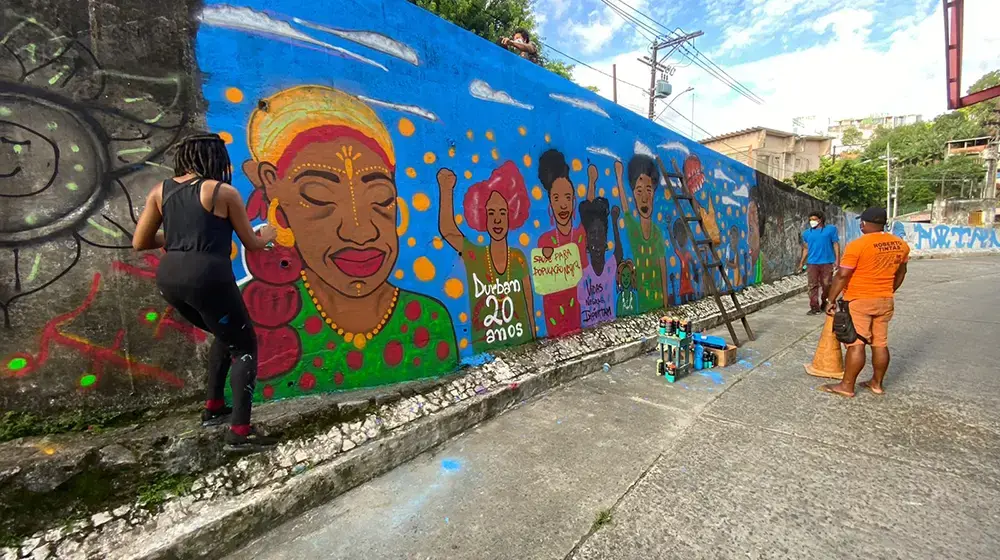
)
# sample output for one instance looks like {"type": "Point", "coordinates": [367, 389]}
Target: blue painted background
{"type": "Point", "coordinates": [259, 61]}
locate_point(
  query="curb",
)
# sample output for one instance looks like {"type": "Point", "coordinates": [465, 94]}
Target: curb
{"type": "Point", "coordinates": [236, 503]}
{"type": "Point", "coordinates": [244, 517]}
{"type": "Point", "coordinates": [954, 254]}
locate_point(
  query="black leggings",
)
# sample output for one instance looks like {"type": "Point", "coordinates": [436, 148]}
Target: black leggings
{"type": "Point", "coordinates": [218, 308]}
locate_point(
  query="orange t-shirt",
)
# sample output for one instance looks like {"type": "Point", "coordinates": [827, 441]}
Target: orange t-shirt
{"type": "Point", "coordinates": [875, 257]}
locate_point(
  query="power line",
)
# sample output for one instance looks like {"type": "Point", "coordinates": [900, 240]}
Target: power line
{"type": "Point", "coordinates": [699, 58]}
{"type": "Point", "coordinates": [578, 61]}
{"type": "Point", "coordinates": [637, 25]}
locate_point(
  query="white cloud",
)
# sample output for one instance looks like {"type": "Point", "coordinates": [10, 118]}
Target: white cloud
{"type": "Point", "coordinates": [721, 175]}
{"type": "Point", "coordinates": [580, 104]}
{"type": "Point", "coordinates": [598, 26]}
{"type": "Point", "coordinates": [482, 90]}
{"type": "Point", "coordinates": [254, 22]}
{"type": "Point", "coordinates": [742, 192]}
{"type": "Point", "coordinates": [729, 201]}
{"type": "Point", "coordinates": [643, 149]}
{"type": "Point", "coordinates": [677, 146]}
{"type": "Point", "coordinates": [602, 151]}
{"type": "Point", "coordinates": [842, 77]}
{"type": "Point", "coordinates": [758, 21]}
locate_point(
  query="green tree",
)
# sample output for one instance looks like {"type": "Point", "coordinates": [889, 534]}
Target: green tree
{"type": "Point", "coordinates": [987, 111]}
{"type": "Point", "coordinates": [490, 19]}
{"type": "Point", "coordinates": [852, 137]}
{"type": "Point", "coordinates": [493, 20]}
{"type": "Point", "coordinates": [922, 143]}
{"type": "Point", "coordinates": [846, 183]}
{"type": "Point", "coordinates": [921, 184]}
{"type": "Point", "coordinates": [558, 67]}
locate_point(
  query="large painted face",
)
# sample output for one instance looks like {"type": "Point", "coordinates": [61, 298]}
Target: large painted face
{"type": "Point", "coordinates": [339, 198]}
{"type": "Point", "coordinates": [563, 201]}
{"type": "Point", "coordinates": [497, 223]}
{"type": "Point", "coordinates": [643, 192]}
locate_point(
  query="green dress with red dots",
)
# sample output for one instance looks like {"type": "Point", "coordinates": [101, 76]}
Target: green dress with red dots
{"type": "Point", "coordinates": [417, 341]}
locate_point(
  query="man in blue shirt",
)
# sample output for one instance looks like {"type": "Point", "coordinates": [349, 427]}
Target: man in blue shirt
{"type": "Point", "coordinates": [820, 256]}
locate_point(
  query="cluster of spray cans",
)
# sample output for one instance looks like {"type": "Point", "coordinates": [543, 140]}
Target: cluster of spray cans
{"type": "Point", "coordinates": [681, 329]}
{"type": "Point", "coordinates": [674, 327]}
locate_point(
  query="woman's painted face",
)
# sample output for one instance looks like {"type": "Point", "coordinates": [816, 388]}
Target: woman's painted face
{"type": "Point", "coordinates": [626, 277]}
{"type": "Point", "coordinates": [497, 223]}
{"type": "Point", "coordinates": [643, 192]}
{"type": "Point", "coordinates": [597, 245]}
{"type": "Point", "coordinates": [563, 201]}
{"type": "Point", "coordinates": [340, 200]}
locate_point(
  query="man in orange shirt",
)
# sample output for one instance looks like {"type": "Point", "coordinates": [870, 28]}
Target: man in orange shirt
{"type": "Point", "coordinates": [872, 268]}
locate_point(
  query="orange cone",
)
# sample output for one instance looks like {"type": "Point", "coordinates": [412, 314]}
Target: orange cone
{"type": "Point", "coordinates": [828, 360]}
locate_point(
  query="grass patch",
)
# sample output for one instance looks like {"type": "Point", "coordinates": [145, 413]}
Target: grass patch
{"type": "Point", "coordinates": [603, 518]}
{"type": "Point", "coordinates": [16, 424]}
{"type": "Point", "coordinates": [160, 490]}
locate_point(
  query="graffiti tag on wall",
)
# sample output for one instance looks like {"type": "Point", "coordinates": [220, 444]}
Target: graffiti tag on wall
{"type": "Point", "coordinates": [930, 237]}
{"type": "Point", "coordinates": [74, 137]}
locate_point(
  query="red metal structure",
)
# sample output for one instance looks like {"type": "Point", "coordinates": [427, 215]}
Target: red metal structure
{"type": "Point", "coordinates": [953, 20]}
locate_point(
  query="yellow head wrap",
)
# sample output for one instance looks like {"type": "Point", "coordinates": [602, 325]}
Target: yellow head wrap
{"type": "Point", "coordinates": [293, 111]}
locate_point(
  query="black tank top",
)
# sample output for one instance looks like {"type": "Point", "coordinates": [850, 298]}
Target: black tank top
{"type": "Point", "coordinates": [187, 226]}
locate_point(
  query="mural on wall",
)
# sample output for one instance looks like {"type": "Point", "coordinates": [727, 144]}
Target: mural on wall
{"type": "Point", "coordinates": [75, 138]}
{"type": "Point", "coordinates": [433, 205]}
{"type": "Point", "coordinates": [941, 237]}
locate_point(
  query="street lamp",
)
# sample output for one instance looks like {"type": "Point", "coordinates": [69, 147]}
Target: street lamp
{"type": "Point", "coordinates": [672, 101]}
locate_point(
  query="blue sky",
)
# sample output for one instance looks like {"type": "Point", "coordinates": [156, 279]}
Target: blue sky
{"type": "Point", "coordinates": [820, 58]}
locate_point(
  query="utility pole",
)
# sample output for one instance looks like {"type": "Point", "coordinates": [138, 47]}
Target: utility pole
{"type": "Point", "coordinates": [990, 154]}
{"type": "Point", "coordinates": [888, 171]}
{"type": "Point", "coordinates": [692, 116]}
{"type": "Point", "coordinates": [655, 66]}
{"type": "Point", "coordinates": [614, 85]}
{"type": "Point", "coordinates": [895, 200]}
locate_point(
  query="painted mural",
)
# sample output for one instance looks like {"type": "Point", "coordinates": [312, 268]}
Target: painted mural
{"type": "Point", "coordinates": [946, 238]}
{"type": "Point", "coordinates": [436, 204]}
{"type": "Point", "coordinates": [437, 199]}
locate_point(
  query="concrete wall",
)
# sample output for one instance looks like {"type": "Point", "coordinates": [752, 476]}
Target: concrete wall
{"type": "Point", "coordinates": [973, 212]}
{"type": "Point", "coordinates": [931, 239]}
{"type": "Point", "coordinates": [438, 198]}
{"type": "Point", "coordinates": [91, 95]}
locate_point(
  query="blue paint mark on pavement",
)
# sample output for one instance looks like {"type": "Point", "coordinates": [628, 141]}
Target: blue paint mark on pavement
{"type": "Point", "coordinates": [714, 376]}
{"type": "Point", "coordinates": [451, 465]}
{"type": "Point", "coordinates": [478, 359]}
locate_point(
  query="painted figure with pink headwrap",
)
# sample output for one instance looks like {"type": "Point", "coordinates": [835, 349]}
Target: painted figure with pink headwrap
{"type": "Point", "coordinates": [499, 287]}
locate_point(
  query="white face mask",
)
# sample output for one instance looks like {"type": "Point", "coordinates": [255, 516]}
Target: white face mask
{"type": "Point", "coordinates": [813, 223]}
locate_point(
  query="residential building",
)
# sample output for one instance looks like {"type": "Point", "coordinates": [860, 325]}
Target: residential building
{"type": "Point", "coordinates": [968, 147]}
{"type": "Point", "coordinates": [868, 125]}
{"type": "Point", "coordinates": [779, 154]}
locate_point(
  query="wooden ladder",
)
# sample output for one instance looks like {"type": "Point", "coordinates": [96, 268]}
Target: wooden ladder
{"type": "Point", "coordinates": [706, 242]}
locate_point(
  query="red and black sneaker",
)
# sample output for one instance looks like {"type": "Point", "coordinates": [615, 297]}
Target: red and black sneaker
{"type": "Point", "coordinates": [215, 417]}
{"type": "Point", "coordinates": [252, 442]}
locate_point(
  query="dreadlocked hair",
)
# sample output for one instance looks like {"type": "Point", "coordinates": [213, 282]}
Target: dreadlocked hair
{"type": "Point", "coordinates": [206, 156]}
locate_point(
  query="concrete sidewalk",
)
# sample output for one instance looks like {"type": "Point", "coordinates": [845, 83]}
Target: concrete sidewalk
{"type": "Point", "coordinates": [749, 461]}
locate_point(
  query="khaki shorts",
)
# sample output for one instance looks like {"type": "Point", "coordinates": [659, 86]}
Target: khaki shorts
{"type": "Point", "coordinates": [871, 320]}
